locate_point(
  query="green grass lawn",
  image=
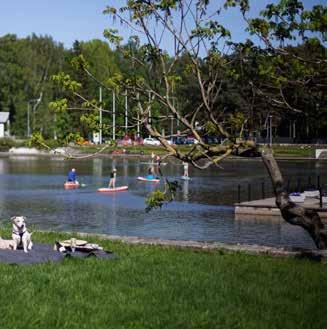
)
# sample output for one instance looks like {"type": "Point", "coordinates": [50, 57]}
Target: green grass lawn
{"type": "Point", "coordinates": [279, 150]}
{"type": "Point", "coordinates": [156, 287]}
{"type": "Point", "coordinates": [294, 151]}
{"type": "Point", "coordinates": [137, 149]}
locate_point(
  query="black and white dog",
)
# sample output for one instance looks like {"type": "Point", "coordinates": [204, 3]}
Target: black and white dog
{"type": "Point", "coordinates": [20, 235]}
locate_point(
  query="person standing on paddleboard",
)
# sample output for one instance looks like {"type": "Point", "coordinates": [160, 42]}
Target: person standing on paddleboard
{"type": "Point", "coordinates": [113, 175]}
{"type": "Point", "coordinates": [185, 165]}
{"type": "Point", "coordinates": [158, 162]}
{"type": "Point", "coordinates": [72, 176]}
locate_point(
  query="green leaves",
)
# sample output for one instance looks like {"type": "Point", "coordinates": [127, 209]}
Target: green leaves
{"type": "Point", "coordinates": [167, 4]}
{"type": "Point", "coordinates": [115, 81]}
{"type": "Point", "coordinates": [236, 120]}
{"type": "Point", "coordinates": [37, 141]}
{"type": "Point", "coordinates": [65, 81]}
{"type": "Point", "coordinates": [90, 120]}
{"type": "Point", "coordinates": [59, 105]}
{"type": "Point", "coordinates": [110, 10]}
{"type": "Point", "coordinates": [244, 5]}
{"type": "Point", "coordinates": [157, 198]}
{"type": "Point", "coordinates": [211, 30]}
{"type": "Point", "coordinates": [80, 63]}
{"type": "Point", "coordinates": [260, 26]}
{"type": "Point", "coordinates": [112, 36]}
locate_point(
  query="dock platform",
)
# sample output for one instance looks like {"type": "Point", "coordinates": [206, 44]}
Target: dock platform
{"type": "Point", "coordinates": [267, 207]}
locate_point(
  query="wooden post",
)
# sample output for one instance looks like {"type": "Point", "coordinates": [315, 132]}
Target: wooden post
{"type": "Point", "coordinates": [249, 192]}
{"type": "Point", "coordinates": [263, 190]}
{"type": "Point", "coordinates": [299, 187]}
{"type": "Point", "coordinates": [239, 193]}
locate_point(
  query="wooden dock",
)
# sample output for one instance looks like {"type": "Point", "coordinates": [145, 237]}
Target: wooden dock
{"type": "Point", "coordinates": [267, 207]}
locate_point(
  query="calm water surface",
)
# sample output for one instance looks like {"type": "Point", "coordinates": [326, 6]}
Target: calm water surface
{"type": "Point", "coordinates": [33, 186]}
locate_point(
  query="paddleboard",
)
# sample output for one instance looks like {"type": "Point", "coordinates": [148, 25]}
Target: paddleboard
{"type": "Point", "coordinates": [68, 185]}
{"type": "Point", "coordinates": [143, 179]}
{"type": "Point", "coordinates": [153, 164]}
{"type": "Point", "coordinates": [116, 189]}
{"type": "Point", "coordinates": [185, 177]}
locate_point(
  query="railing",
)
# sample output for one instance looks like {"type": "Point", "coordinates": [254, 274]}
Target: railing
{"type": "Point", "coordinates": [263, 189]}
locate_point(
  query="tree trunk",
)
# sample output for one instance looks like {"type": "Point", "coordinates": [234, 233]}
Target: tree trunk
{"type": "Point", "coordinates": [291, 212]}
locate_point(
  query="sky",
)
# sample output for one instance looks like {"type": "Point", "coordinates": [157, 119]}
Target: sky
{"type": "Point", "coordinates": [70, 20]}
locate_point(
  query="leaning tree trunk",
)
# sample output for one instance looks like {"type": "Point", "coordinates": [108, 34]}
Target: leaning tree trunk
{"type": "Point", "coordinates": [291, 212]}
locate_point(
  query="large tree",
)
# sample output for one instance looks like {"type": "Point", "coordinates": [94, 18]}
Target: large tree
{"type": "Point", "coordinates": [193, 29]}
{"type": "Point", "coordinates": [184, 43]}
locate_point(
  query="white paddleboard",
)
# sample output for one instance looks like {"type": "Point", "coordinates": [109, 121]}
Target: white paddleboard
{"type": "Point", "coordinates": [143, 179]}
{"type": "Point", "coordinates": [153, 164]}
{"type": "Point", "coordinates": [185, 177]}
{"type": "Point", "coordinates": [116, 189]}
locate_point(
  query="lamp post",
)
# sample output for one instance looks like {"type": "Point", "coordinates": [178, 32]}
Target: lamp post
{"type": "Point", "coordinates": [113, 115]}
{"type": "Point", "coordinates": [100, 115]}
{"type": "Point", "coordinates": [28, 120]}
{"type": "Point", "coordinates": [36, 101]}
{"type": "Point", "coordinates": [270, 130]}
{"type": "Point", "coordinates": [126, 113]}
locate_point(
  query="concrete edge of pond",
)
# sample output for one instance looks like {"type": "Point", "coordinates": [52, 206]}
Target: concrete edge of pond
{"type": "Point", "coordinates": [251, 249]}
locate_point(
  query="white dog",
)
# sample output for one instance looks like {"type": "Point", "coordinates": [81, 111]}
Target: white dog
{"type": "Point", "coordinates": [20, 235]}
{"type": "Point", "coordinates": [7, 244]}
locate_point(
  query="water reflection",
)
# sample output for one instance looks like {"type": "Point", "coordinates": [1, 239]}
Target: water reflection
{"type": "Point", "coordinates": [185, 190]}
{"type": "Point", "coordinates": [33, 186]}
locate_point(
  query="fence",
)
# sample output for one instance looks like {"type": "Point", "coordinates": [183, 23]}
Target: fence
{"type": "Point", "coordinates": [264, 189]}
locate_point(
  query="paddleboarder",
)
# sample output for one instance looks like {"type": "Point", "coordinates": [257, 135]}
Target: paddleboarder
{"type": "Point", "coordinates": [185, 166]}
{"type": "Point", "coordinates": [72, 176]}
{"type": "Point", "coordinates": [113, 175]}
{"type": "Point", "coordinates": [150, 173]}
{"type": "Point", "coordinates": [157, 169]}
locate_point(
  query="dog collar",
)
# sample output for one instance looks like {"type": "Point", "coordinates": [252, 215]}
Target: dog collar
{"type": "Point", "coordinates": [20, 234]}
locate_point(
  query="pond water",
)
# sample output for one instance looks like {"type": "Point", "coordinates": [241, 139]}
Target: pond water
{"type": "Point", "coordinates": [203, 210]}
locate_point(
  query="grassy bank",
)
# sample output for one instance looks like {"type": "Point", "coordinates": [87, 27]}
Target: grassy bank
{"type": "Point", "coordinates": [155, 287]}
{"type": "Point", "coordinates": [280, 150]}
{"type": "Point", "coordinates": [304, 151]}
{"type": "Point", "coordinates": [137, 150]}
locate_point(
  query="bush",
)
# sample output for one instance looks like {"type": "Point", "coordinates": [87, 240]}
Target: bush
{"type": "Point", "coordinates": [6, 144]}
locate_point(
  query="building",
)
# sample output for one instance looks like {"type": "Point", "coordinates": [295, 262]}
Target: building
{"type": "Point", "coordinates": [4, 124]}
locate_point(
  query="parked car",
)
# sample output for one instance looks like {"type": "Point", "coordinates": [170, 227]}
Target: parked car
{"type": "Point", "coordinates": [211, 140]}
{"type": "Point", "coordinates": [179, 140]}
{"type": "Point", "coordinates": [125, 141]}
{"type": "Point", "coordinates": [151, 141]}
{"type": "Point", "coordinates": [138, 141]}
{"type": "Point", "coordinates": [190, 140]}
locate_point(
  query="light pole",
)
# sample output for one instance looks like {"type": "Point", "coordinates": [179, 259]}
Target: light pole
{"type": "Point", "coordinates": [270, 130]}
{"type": "Point", "coordinates": [100, 116]}
{"type": "Point", "coordinates": [138, 115]}
{"type": "Point", "coordinates": [113, 115]}
{"type": "Point", "coordinates": [28, 119]}
{"type": "Point", "coordinates": [36, 101]}
{"type": "Point", "coordinates": [126, 110]}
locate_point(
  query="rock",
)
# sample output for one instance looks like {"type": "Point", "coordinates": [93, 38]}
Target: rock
{"type": "Point", "coordinates": [25, 151]}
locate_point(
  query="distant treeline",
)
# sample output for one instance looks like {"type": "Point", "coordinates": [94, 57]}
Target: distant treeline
{"type": "Point", "coordinates": [27, 65]}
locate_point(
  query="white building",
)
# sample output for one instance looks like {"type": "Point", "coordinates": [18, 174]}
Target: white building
{"type": "Point", "coordinates": [4, 124]}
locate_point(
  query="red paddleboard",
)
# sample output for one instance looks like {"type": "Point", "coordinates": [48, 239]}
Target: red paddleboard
{"type": "Point", "coordinates": [143, 179]}
{"type": "Point", "coordinates": [69, 185]}
{"type": "Point", "coordinates": [116, 189]}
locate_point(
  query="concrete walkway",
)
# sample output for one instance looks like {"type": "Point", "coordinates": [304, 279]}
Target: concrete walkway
{"type": "Point", "coordinates": [267, 207]}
